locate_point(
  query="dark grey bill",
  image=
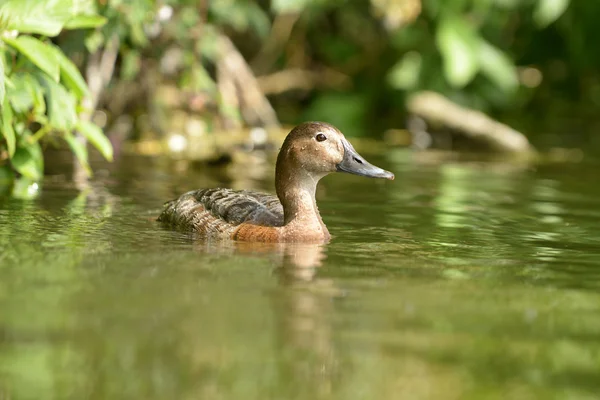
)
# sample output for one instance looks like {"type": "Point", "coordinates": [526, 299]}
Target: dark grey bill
{"type": "Point", "coordinates": [353, 163]}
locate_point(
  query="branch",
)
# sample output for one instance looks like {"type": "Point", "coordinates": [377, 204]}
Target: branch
{"type": "Point", "coordinates": [281, 31]}
{"type": "Point", "coordinates": [437, 109]}
{"type": "Point", "coordinates": [301, 79]}
{"type": "Point", "coordinates": [99, 72]}
{"type": "Point", "coordinates": [232, 69]}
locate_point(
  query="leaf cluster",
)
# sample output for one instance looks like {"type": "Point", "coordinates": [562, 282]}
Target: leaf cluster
{"type": "Point", "coordinates": [42, 91]}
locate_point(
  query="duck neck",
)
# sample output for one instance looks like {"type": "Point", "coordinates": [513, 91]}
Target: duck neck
{"type": "Point", "coordinates": [296, 191]}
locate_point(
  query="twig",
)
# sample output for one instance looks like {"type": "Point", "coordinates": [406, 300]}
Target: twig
{"type": "Point", "coordinates": [99, 72]}
{"type": "Point", "coordinates": [301, 79]}
{"type": "Point", "coordinates": [233, 71]}
{"type": "Point", "coordinates": [228, 96]}
{"type": "Point", "coordinates": [281, 31]}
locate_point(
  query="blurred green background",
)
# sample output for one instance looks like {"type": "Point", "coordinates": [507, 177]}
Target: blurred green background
{"type": "Point", "coordinates": [154, 76]}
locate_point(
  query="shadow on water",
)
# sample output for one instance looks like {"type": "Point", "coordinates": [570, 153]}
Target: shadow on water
{"type": "Point", "coordinates": [462, 279]}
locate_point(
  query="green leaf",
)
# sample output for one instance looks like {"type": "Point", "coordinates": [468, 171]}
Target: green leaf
{"type": "Point", "coordinates": [241, 16]}
{"type": "Point", "coordinates": [97, 138]}
{"type": "Point", "coordinates": [508, 4]}
{"type": "Point", "coordinates": [498, 67]}
{"type": "Point", "coordinates": [137, 35]}
{"type": "Point", "coordinates": [209, 46]}
{"type": "Point", "coordinates": [62, 111]}
{"type": "Point", "coordinates": [25, 189]}
{"type": "Point", "coordinates": [201, 79]}
{"type": "Point", "coordinates": [85, 21]}
{"type": "Point", "coordinates": [548, 11]}
{"type": "Point", "coordinates": [29, 161]}
{"type": "Point", "coordinates": [7, 81]}
{"type": "Point", "coordinates": [2, 82]}
{"type": "Point", "coordinates": [21, 97]}
{"type": "Point", "coordinates": [130, 65]}
{"type": "Point", "coordinates": [70, 74]}
{"type": "Point", "coordinates": [7, 127]}
{"type": "Point", "coordinates": [7, 177]}
{"type": "Point", "coordinates": [40, 17]}
{"type": "Point", "coordinates": [38, 52]}
{"type": "Point", "coordinates": [93, 41]}
{"type": "Point", "coordinates": [458, 43]}
{"type": "Point", "coordinates": [26, 93]}
{"type": "Point", "coordinates": [80, 150]}
{"type": "Point", "coordinates": [405, 74]}
{"type": "Point", "coordinates": [289, 6]}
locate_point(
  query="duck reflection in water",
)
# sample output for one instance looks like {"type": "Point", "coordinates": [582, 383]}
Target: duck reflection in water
{"type": "Point", "coordinates": [293, 261]}
{"type": "Point", "coordinates": [301, 305]}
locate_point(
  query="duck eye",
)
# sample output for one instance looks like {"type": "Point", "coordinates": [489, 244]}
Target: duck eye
{"type": "Point", "coordinates": [320, 137]}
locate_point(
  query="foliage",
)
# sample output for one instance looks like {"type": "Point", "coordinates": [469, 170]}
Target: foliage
{"type": "Point", "coordinates": [460, 37]}
{"type": "Point", "coordinates": [41, 89]}
{"type": "Point", "coordinates": [356, 61]}
{"type": "Point", "coordinates": [466, 49]}
{"type": "Point", "coordinates": [470, 50]}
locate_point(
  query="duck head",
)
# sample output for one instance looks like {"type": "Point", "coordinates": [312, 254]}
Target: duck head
{"type": "Point", "coordinates": [319, 148]}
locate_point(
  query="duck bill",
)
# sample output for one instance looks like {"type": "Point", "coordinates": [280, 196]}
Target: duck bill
{"type": "Point", "coordinates": [354, 163]}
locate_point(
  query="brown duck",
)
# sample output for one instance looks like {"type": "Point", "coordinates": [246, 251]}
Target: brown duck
{"type": "Point", "coordinates": [310, 151]}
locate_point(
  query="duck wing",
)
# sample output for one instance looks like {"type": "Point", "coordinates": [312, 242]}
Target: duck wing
{"type": "Point", "coordinates": [233, 207]}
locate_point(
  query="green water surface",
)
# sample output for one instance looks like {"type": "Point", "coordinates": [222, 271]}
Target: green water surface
{"type": "Point", "coordinates": [458, 280]}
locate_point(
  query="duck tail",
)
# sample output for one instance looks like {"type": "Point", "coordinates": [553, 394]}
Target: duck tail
{"type": "Point", "coordinates": [179, 213]}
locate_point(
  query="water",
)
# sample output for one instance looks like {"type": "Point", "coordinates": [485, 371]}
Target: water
{"type": "Point", "coordinates": [459, 280]}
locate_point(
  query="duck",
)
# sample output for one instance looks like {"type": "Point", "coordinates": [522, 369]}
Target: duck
{"type": "Point", "coordinates": [309, 152]}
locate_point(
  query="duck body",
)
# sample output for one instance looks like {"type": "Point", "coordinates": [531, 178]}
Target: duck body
{"type": "Point", "coordinates": [243, 215]}
{"type": "Point", "coordinates": [310, 151]}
